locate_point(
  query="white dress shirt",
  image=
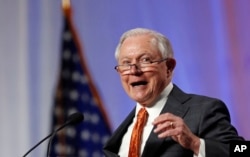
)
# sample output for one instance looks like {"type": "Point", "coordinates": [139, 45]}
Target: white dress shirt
{"type": "Point", "coordinates": [153, 112]}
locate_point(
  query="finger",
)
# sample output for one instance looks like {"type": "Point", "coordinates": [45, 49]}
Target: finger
{"type": "Point", "coordinates": [164, 117]}
{"type": "Point", "coordinates": [169, 133]}
{"type": "Point", "coordinates": [178, 130]}
{"type": "Point", "coordinates": [163, 126]}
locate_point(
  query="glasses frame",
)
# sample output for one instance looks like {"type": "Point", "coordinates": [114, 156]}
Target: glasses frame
{"type": "Point", "coordinates": [139, 63]}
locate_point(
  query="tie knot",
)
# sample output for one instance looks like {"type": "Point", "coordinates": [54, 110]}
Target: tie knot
{"type": "Point", "coordinates": [142, 114]}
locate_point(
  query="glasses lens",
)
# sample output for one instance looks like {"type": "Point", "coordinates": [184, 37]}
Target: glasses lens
{"type": "Point", "coordinates": [141, 65]}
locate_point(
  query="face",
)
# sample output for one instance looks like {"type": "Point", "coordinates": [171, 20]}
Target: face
{"type": "Point", "coordinates": [143, 85]}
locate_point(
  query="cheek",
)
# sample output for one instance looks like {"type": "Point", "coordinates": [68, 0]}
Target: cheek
{"type": "Point", "coordinates": [158, 80]}
{"type": "Point", "coordinates": [161, 73]}
{"type": "Point", "coordinates": [124, 81]}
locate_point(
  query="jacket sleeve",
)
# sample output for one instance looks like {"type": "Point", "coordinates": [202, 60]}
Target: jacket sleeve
{"type": "Point", "coordinates": [216, 129]}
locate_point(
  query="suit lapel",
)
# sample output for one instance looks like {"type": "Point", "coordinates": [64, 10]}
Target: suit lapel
{"type": "Point", "coordinates": [174, 105]}
{"type": "Point", "coordinates": [114, 143]}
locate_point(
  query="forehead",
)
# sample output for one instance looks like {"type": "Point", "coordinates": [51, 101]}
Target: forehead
{"type": "Point", "coordinates": [139, 45]}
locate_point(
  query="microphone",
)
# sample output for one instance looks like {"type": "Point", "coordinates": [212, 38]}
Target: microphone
{"type": "Point", "coordinates": [72, 120]}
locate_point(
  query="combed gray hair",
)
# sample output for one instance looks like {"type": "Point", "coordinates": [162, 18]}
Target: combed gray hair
{"type": "Point", "coordinates": [163, 44]}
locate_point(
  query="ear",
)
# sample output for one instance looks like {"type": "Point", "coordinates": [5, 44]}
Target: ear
{"type": "Point", "coordinates": [171, 63]}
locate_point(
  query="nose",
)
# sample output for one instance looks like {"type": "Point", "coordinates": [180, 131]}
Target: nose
{"type": "Point", "coordinates": [135, 69]}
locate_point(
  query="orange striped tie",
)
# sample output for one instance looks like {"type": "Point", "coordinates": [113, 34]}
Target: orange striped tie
{"type": "Point", "coordinates": [135, 141]}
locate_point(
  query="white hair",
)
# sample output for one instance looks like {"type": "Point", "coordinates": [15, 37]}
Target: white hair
{"type": "Point", "coordinates": [163, 44]}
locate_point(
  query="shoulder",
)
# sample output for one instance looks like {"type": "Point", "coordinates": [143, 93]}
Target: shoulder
{"type": "Point", "coordinates": [196, 100]}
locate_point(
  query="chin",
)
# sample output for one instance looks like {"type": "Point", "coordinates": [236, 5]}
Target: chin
{"type": "Point", "coordinates": [140, 100]}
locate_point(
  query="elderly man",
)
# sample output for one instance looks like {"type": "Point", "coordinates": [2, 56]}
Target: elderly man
{"type": "Point", "coordinates": [165, 121]}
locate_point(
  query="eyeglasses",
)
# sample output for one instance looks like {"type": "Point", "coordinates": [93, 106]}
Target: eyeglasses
{"type": "Point", "coordinates": [125, 69]}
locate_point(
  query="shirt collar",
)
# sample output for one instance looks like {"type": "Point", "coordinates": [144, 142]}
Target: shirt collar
{"type": "Point", "coordinates": [160, 102]}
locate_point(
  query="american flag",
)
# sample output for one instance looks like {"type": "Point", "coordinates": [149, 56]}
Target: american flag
{"type": "Point", "coordinates": [76, 93]}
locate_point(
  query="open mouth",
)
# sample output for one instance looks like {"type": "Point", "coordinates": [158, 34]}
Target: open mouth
{"type": "Point", "coordinates": [139, 83]}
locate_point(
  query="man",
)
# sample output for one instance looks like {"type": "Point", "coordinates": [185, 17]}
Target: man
{"type": "Point", "coordinates": [176, 124]}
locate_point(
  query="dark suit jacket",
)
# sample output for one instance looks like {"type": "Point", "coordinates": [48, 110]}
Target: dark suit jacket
{"type": "Point", "coordinates": [208, 118]}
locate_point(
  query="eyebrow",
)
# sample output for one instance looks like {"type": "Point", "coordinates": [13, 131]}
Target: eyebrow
{"type": "Point", "coordinates": [147, 54]}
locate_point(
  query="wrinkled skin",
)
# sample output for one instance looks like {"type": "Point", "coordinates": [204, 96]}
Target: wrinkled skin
{"type": "Point", "coordinates": [143, 87]}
